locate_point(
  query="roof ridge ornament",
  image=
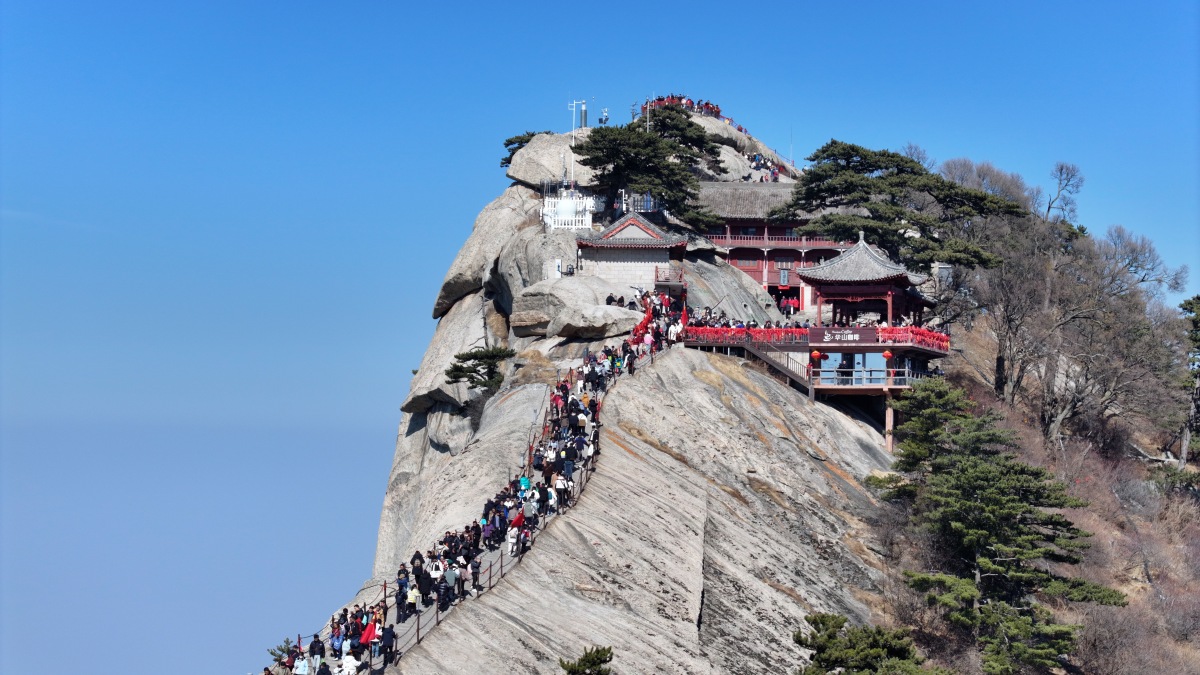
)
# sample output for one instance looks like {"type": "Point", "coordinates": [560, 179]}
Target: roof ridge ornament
{"type": "Point", "coordinates": [862, 237]}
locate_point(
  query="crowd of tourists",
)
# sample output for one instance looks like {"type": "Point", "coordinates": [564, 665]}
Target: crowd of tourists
{"type": "Point", "coordinates": [761, 162]}
{"type": "Point", "coordinates": [700, 107]}
{"type": "Point", "coordinates": [451, 570]}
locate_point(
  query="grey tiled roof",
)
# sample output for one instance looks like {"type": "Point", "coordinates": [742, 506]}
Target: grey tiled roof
{"type": "Point", "coordinates": [862, 263]}
{"type": "Point", "coordinates": [752, 201]}
{"type": "Point", "coordinates": [610, 237]}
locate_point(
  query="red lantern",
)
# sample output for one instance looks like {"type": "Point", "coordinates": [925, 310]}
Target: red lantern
{"type": "Point", "coordinates": [816, 355]}
{"type": "Point", "coordinates": [824, 357]}
{"type": "Point", "coordinates": [888, 355]}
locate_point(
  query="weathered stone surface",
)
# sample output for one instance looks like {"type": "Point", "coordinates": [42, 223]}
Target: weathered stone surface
{"type": "Point", "coordinates": [593, 321]}
{"type": "Point", "coordinates": [738, 168]}
{"type": "Point", "coordinates": [676, 556]}
{"type": "Point", "coordinates": [699, 244]}
{"type": "Point", "coordinates": [517, 208]}
{"type": "Point", "coordinates": [460, 330]}
{"type": "Point", "coordinates": [546, 156]}
{"type": "Point", "coordinates": [714, 283]}
{"type": "Point", "coordinates": [442, 473]}
{"type": "Point", "coordinates": [538, 305]}
{"type": "Point", "coordinates": [727, 135]}
{"type": "Point", "coordinates": [526, 257]}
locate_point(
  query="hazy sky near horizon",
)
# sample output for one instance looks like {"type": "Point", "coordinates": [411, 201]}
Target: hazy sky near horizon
{"type": "Point", "coordinates": [223, 225]}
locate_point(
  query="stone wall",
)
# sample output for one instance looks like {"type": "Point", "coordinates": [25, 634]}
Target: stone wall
{"type": "Point", "coordinates": [624, 266]}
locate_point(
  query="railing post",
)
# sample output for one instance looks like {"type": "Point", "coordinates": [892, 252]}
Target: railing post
{"type": "Point", "coordinates": [490, 564]}
{"type": "Point", "coordinates": [437, 609]}
{"type": "Point", "coordinates": [418, 626]}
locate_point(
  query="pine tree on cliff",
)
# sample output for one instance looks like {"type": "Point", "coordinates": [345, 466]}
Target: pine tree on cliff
{"type": "Point", "coordinates": [593, 662]}
{"type": "Point", "coordinates": [657, 162]}
{"type": "Point", "coordinates": [859, 650]}
{"type": "Point", "coordinates": [1191, 427]}
{"type": "Point", "coordinates": [994, 532]}
{"type": "Point", "coordinates": [918, 217]}
{"type": "Point", "coordinates": [479, 368]}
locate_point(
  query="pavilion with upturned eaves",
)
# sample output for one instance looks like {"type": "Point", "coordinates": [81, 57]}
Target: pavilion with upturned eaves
{"type": "Point", "coordinates": [870, 344]}
{"type": "Point", "coordinates": [864, 281]}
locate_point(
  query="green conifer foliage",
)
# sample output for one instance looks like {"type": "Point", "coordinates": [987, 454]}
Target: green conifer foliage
{"type": "Point", "coordinates": [279, 653]}
{"type": "Point", "coordinates": [857, 650]}
{"type": "Point", "coordinates": [593, 662]}
{"type": "Point", "coordinates": [479, 368]}
{"type": "Point", "coordinates": [892, 197]}
{"type": "Point", "coordinates": [656, 162]}
{"type": "Point", "coordinates": [995, 530]}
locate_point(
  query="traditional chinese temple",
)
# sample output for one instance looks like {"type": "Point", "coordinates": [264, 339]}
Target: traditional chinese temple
{"type": "Point", "coordinates": [633, 252]}
{"type": "Point", "coordinates": [867, 340]}
{"type": "Point", "coordinates": [770, 252]}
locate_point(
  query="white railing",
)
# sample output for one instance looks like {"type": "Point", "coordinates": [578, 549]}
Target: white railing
{"type": "Point", "coordinates": [572, 212]}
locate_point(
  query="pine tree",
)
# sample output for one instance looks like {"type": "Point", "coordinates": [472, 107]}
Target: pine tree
{"type": "Point", "coordinates": [479, 368]}
{"type": "Point", "coordinates": [593, 662]}
{"type": "Point", "coordinates": [673, 123]}
{"type": "Point", "coordinates": [857, 650]}
{"type": "Point", "coordinates": [280, 652]}
{"type": "Point", "coordinates": [994, 532]}
{"type": "Point", "coordinates": [1190, 433]}
{"type": "Point", "coordinates": [657, 162]}
{"type": "Point", "coordinates": [939, 421]}
{"type": "Point", "coordinates": [892, 197]}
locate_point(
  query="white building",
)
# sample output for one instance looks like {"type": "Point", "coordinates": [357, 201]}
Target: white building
{"type": "Point", "coordinates": [633, 252]}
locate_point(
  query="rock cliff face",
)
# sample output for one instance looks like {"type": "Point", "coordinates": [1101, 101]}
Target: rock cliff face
{"type": "Point", "coordinates": [726, 505]}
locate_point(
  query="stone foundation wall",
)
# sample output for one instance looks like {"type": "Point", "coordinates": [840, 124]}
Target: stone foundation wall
{"type": "Point", "coordinates": [624, 267]}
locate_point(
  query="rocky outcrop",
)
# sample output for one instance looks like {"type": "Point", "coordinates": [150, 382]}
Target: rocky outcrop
{"type": "Point", "coordinates": [527, 258]}
{"type": "Point", "coordinates": [539, 305]}
{"type": "Point", "coordinates": [593, 322]}
{"type": "Point", "coordinates": [725, 508]}
{"type": "Point", "coordinates": [549, 157]}
{"type": "Point", "coordinates": [513, 211]}
{"type": "Point", "coordinates": [714, 283]}
{"type": "Point", "coordinates": [442, 471]}
{"type": "Point", "coordinates": [461, 329]}
{"type": "Point", "coordinates": [741, 144]}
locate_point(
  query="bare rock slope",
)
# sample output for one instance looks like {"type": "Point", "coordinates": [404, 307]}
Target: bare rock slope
{"type": "Point", "coordinates": [725, 508]}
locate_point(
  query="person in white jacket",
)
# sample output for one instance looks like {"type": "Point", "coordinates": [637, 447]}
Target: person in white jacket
{"type": "Point", "coordinates": [349, 663]}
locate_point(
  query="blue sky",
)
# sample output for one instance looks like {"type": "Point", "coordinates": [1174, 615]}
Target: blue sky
{"type": "Point", "coordinates": [222, 227]}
